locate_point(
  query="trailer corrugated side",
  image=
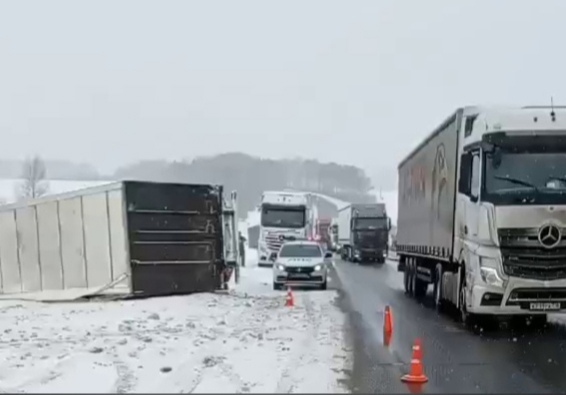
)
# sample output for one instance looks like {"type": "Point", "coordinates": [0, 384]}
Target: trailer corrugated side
{"type": "Point", "coordinates": [72, 241]}
{"type": "Point", "coordinates": [132, 238]}
{"type": "Point", "coordinates": [427, 194]}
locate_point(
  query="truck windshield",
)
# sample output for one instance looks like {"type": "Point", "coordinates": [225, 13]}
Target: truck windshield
{"type": "Point", "coordinates": [525, 177]}
{"type": "Point", "coordinates": [370, 223]}
{"type": "Point", "coordinates": [300, 251]}
{"type": "Point", "coordinates": [283, 217]}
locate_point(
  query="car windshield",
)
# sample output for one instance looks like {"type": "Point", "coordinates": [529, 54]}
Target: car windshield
{"type": "Point", "coordinates": [283, 217]}
{"type": "Point", "coordinates": [300, 251]}
{"type": "Point", "coordinates": [369, 223]}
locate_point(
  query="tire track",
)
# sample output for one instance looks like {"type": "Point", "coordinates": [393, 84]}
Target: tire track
{"type": "Point", "coordinates": [286, 382]}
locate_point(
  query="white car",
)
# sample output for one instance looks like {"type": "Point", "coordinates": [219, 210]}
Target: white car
{"type": "Point", "coordinates": [301, 263]}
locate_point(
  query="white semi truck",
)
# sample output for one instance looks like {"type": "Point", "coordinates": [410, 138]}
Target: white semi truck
{"type": "Point", "coordinates": [482, 214]}
{"type": "Point", "coordinates": [284, 216]}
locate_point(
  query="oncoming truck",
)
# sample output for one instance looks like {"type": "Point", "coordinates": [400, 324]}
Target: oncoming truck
{"type": "Point", "coordinates": [363, 232]}
{"type": "Point", "coordinates": [482, 214]}
{"type": "Point", "coordinates": [284, 216]}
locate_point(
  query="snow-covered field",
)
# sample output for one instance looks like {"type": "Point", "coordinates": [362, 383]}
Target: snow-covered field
{"type": "Point", "coordinates": [242, 341]}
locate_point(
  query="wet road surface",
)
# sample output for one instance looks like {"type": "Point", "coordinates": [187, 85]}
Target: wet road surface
{"type": "Point", "coordinates": [455, 359]}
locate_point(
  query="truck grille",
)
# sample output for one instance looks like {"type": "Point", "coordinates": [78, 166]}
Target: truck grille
{"type": "Point", "coordinates": [525, 295]}
{"type": "Point", "coordinates": [524, 256]}
{"type": "Point", "coordinates": [273, 242]}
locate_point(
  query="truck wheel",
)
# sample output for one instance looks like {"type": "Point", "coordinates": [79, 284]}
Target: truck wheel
{"type": "Point", "coordinates": [324, 285]}
{"type": "Point", "coordinates": [411, 270]}
{"type": "Point", "coordinates": [406, 279]}
{"type": "Point", "coordinates": [418, 287]}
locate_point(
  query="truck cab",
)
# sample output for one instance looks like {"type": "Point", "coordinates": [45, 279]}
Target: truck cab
{"type": "Point", "coordinates": [364, 232]}
{"type": "Point", "coordinates": [285, 216]}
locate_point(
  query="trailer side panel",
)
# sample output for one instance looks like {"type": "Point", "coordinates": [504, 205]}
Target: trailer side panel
{"type": "Point", "coordinates": [427, 187]}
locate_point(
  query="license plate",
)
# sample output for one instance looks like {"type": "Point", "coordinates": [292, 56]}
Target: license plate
{"type": "Point", "coordinates": [297, 276]}
{"type": "Point", "coordinates": [544, 306]}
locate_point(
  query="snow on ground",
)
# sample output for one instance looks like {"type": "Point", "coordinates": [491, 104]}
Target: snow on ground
{"type": "Point", "coordinates": [242, 341]}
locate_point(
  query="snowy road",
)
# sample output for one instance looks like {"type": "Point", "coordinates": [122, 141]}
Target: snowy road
{"type": "Point", "coordinates": [243, 341]}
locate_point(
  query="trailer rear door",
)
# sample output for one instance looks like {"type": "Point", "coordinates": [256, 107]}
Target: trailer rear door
{"type": "Point", "coordinates": [175, 237]}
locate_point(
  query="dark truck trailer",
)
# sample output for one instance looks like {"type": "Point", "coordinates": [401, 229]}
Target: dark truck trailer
{"type": "Point", "coordinates": [363, 232]}
{"type": "Point", "coordinates": [126, 238]}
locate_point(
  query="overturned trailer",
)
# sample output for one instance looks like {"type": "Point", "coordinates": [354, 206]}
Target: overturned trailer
{"type": "Point", "coordinates": [127, 238]}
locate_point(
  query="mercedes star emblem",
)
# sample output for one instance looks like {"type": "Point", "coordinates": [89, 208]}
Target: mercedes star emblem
{"type": "Point", "coordinates": [549, 236]}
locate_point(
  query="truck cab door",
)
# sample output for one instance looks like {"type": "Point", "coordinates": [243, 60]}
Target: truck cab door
{"type": "Point", "coordinates": [472, 203]}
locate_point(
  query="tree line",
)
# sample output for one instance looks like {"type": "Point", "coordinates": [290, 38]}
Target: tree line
{"type": "Point", "coordinates": [248, 175]}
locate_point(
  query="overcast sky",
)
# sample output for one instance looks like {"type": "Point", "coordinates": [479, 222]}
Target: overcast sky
{"type": "Point", "coordinates": [358, 82]}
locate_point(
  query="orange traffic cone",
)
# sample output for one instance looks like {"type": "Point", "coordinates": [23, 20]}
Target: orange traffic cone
{"type": "Point", "coordinates": [416, 374]}
{"type": "Point", "coordinates": [386, 338]}
{"type": "Point", "coordinates": [289, 299]}
{"type": "Point", "coordinates": [418, 350]}
{"type": "Point", "coordinates": [388, 321]}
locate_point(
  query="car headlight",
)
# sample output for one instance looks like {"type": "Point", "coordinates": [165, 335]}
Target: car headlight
{"type": "Point", "coordinates": [281, 267]}
{"type": "Point", "coordinates": [318, 268]}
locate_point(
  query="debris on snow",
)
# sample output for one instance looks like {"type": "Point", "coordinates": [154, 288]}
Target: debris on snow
{"type": "Point", "coordinates": [242, 341]}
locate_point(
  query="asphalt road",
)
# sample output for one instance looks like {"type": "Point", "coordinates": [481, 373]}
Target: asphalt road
{"type": "Point", "coordinates": [455, 359]}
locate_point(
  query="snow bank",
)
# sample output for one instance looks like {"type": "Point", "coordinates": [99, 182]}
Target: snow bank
{"type": "Point", "coordinates": [242, 341]}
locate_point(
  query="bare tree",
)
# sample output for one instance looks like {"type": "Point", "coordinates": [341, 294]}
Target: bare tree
{"type": "Point", "coordinates": [34, 176]}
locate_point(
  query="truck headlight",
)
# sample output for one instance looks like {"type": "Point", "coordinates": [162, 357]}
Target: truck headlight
{"type": "Point", "coordinates": [490, 277]}
{"type": "Point", "coordinates": [318, 268]}
{"type": "Point", "coordinates": [281, 267]}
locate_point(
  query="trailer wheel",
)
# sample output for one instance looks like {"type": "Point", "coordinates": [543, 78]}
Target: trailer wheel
{"type": "Point", "coordinates": [406, 277]}
{"type": "Point", "coordinates": [410, 275]}
{"type": "Point", "coordinates": [417, 287]}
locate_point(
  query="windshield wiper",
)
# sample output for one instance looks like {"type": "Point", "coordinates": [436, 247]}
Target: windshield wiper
{"type": "Point", "coordinates": [518, 182]}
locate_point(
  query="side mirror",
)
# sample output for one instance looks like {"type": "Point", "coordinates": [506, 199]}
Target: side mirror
{"type": "Point", "coordinates": [273, 256]}
{"type": "Point", "coordinates": [328, 254]}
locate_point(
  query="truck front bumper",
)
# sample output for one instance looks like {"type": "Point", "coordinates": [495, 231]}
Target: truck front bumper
{"type": "Point", "coordinates": [518, 296]}
{"type": "Point", "coordinates": [369, 255]}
